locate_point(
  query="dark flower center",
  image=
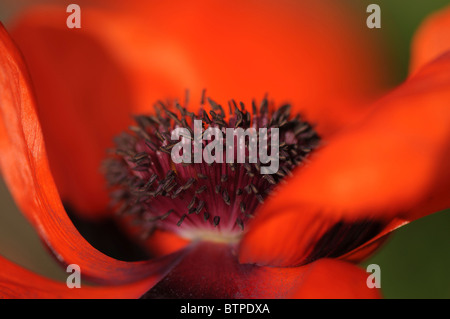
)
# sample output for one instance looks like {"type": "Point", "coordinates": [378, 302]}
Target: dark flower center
{"type": "Point", "coordinates": [208, 199]}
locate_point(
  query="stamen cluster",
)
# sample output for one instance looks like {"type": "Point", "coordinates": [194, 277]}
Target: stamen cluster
{"type": "Point", "coordinates": [197, 199]}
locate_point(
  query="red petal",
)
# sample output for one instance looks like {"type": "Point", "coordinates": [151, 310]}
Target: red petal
{"type": "Point", "coordinates": [83, 101]}
{"type": "Point", "coordinates": [237, 50]}
{"type": "Point", "coordinates": [17, 282]}
{"type": "Point", "coordinates": [212, 271]}
{"type": "Point", "coordinates": [24, 165]}
{"type": "Point", "coordinates": [283, 239]}
{"type": "Point", "coordinates": [312, 54]}
{"type": "Point", "coordinates": [302, 235]}
{"type": "Point", "coordinates": [88, 82]}
{"type": "Point", "coordinates": [389, 164]}
{"type": "Point", "coordinates": [431, 40]}
{"type": "Point", "coordinates": [393, 165]}
{"type": "Point", "coordinates": [333, 279]}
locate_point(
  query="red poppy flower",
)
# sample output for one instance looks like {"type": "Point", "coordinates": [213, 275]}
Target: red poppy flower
{"type": "Point", "coordinates": [381, 165]}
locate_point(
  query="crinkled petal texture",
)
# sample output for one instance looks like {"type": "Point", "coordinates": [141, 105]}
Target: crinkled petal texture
{"type": "Point", "coordinates": [124, 59]}
{"type": "Point", "coordinates": [25, 168]}
{"type": "Point", "coordinates": [394, 164]}
{"type": "Point", "coordinates": [212, 271]}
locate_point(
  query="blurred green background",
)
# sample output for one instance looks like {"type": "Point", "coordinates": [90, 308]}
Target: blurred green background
{"type": "Point", "coordinates": [415, 262]}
